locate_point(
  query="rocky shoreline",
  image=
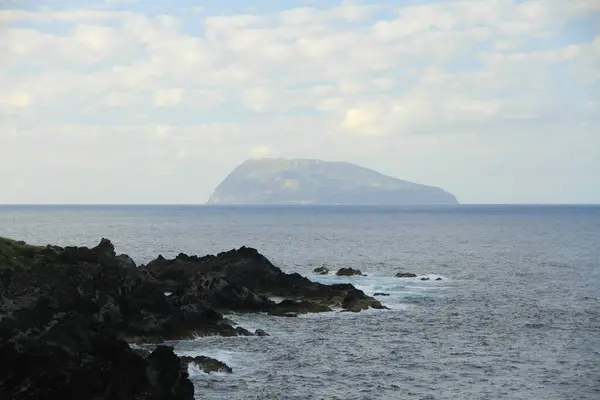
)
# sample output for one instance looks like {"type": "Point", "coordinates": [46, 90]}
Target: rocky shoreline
{"type": "Point", "coordinates": [68, 315]}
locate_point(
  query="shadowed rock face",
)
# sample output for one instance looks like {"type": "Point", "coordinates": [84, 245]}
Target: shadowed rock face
{"type": "Point", "coordinates": [74, 359]}
{"type": "Point", "coordinates": [305, 181]}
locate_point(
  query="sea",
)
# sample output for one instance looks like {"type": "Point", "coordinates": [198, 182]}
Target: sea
{"type": "Point", "coordinates": [515, 316]}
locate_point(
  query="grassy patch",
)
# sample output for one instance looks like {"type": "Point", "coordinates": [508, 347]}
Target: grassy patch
{"type": "Point", "coordinates": [17, 253]}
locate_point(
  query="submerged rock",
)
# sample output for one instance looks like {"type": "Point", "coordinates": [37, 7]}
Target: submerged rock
{"type": "Point", "coordinates": [405, 275]}
{"type": "Point", "coordinates": [321, 270]}
{"type": "Point", "coordinates": [438, 279]}
{"type": "Point", "coordinates": [425, 278]}
{"type": "Point", "coordinates": [381, 294]}
{"type": "Point", "coordinates": [348, 272]}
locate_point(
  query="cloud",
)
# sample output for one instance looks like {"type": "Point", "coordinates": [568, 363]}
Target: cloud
{"type": "Point", "coordinates": [442, 82]}
{"type": "Point", "coordinates": [259, 151]}
{"type": "Point", "coordinates": [167, 97]}
{"type": "Point", "coordinates": [15, 100]}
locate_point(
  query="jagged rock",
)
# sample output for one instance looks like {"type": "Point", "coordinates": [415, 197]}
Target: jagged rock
{"type": "Point", "coordinates": [425, 278]}
{"type": "Point", "coordinates": [247, 268]}
{"type": "Point", "coordinates": [405, 275]}
{"type": "Point", "coordinates": [71, 359]}
{"type": "Point", "coordinates": [321, 270]}
{"type": "Point", "coordinates": [206, 364]}
{"type": "Point", "coordinates": [348, 272]}
{"type": "Point", "coordinates": [66, 315]}
{"type": "Point", "coordinates": [220, 293]}
{"type": "Point", "coordinates": [103, 287]}
{"type": "Point", "coordinates": [164, 373]}
{"type": "Point", "coordinates": [260, 332]}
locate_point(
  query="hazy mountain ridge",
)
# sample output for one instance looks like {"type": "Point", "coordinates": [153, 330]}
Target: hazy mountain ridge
{"type": "Point", "coordinates": [306, 181]}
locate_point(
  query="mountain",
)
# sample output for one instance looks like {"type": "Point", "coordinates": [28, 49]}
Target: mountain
{"type": "Point", "coordinates": [303, 181]}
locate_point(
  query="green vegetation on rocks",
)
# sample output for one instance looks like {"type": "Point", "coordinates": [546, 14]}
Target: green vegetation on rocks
{"type": "Point", "coordinates": [15, 253]}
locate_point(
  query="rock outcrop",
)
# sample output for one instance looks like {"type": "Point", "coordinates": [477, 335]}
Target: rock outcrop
{"type": "Point", "coordinates": [67, 315]}
{"type": "Point", "coordinates": [70, 358]}
{"type": "Point", "coordinates": [206, 364]}
{"type": "Point", "coordinates": [248, 278]}
{"type": "Point", "coordinates": [104, 287]}
{"type": "Point", "coordinates": [356, 301]}
{"type": "Point", "coordinates": [405, 275]}
{"type": "Point", "coordinates": [348, 272]}
{"type": "Point", "coordinates": [321, 270]}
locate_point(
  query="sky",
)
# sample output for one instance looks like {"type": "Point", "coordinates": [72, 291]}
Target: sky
{"type": "Point", "coordinates": [152, 101]}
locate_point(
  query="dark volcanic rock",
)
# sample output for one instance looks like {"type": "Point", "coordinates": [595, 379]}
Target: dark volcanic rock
{"type": "Point", "coordinates": [425, 278]}
{"type": "Point", "coordinates": [321, 270]}
{"type": "Point", "coordinates": [381, 294]}
{"type": "Point", "coordinates": [356, 301]}
{"type": "Point", "coordinates": [206, 364]}
{"type": "Point", "coordinates": [66, 314]}
{"type": "Point", "coordinates": [348, 272]}
{"type": "Point", "coordinates": [287, 307]}
{"type": "Point", "coordinates": [405, 275]}
{"type": "Point", "coordinates": [107, 289]}
{"type": "Point", "coordinates": [219, 292]}
{"type": "Point", "coordinates": [247, 268]}
{"type": "Point", "coordinates": [72, 359]}
{"type": "Point", "coordinates": [164, 372]}
{"type": "Point", "coordinates": [438, 279]}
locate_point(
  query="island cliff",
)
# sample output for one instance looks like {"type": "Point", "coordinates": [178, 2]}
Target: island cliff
{"type": "Point", "coordinates": [303, 181]}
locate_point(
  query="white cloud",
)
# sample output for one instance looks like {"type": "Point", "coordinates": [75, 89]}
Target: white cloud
{"type": "Point", "coordinates": [15, 100]}
{"type": "Point", "coordinates": [259, 151]}
{"type": "Point", "coordinates": [362, 120]}
{"type": "Point", "coordinates": [167, 97]}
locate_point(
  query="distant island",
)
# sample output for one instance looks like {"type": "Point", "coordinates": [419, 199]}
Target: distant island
{"type": "Point", "coordinates": [303, 181]}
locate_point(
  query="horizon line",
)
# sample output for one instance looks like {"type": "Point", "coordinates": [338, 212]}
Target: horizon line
{"type": "Point", "coordinates": [293, 205]}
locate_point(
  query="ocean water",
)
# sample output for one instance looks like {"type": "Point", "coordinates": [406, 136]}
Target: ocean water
{"type": "Point", "coordinates": [516, 316]}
